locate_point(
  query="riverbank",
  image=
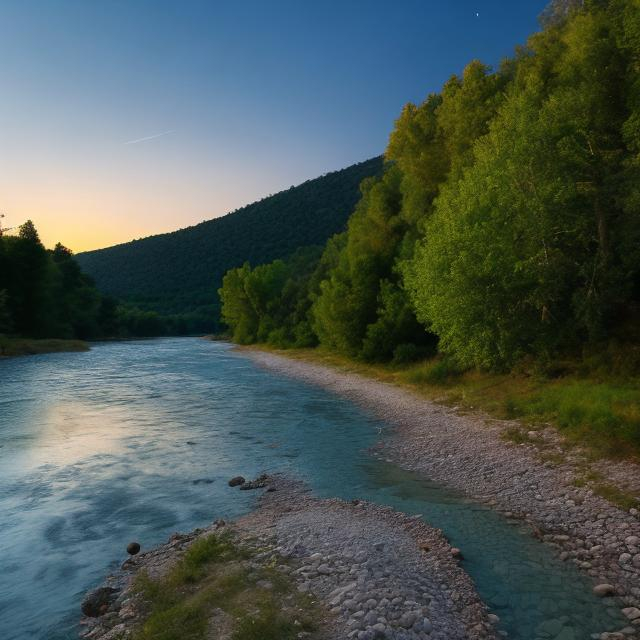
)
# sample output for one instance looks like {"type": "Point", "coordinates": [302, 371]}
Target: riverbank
{"type": "Point", "coordinates": [340, 569]}
{"type": "Point", "coordinates": [535, 480]}
{"type": "Point", "coordinates": [11, 347]}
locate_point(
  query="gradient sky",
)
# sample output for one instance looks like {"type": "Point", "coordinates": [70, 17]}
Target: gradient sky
{"type": "Point", "coordinates": [251, 96]}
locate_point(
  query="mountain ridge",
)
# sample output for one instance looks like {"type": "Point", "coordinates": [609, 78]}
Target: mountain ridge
{"type": "Point", "coordinates": [179, 272]}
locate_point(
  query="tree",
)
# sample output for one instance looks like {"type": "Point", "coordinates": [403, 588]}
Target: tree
{"type": "Point", "coordinates": [5, 315]}
{"type": "Point", "coordinates": [524, 254]}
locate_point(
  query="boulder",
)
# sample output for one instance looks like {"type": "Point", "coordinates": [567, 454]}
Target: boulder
{"type": "Point", "coordinates": [236, 481]}
{"type": "Point", "coordinates": [133, 548]}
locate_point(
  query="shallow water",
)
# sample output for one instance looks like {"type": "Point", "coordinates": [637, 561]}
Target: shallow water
{"type": "Point", "coordinates": [136, 440]}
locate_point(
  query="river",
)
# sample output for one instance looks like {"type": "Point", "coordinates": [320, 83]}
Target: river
{"type": "Point", "coordinates": [136, 440]}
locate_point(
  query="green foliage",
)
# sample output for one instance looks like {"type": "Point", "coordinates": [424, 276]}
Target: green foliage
{"type": "Point", "coordinates": [506, 221]}
{"type": "Point", "coordinates": [179, 273]}
{"type": "Point", "coordinates": [270, 304]}
{"type": "Point", "coordinates": [213, 548]}
{"type": "Point", "coordinates": [5, 312]}
{"type": "Point", "coordinates": [532, 251]}
{"type": "Point", "coordinates": [436, 372]}
{"type": "Point", "coordinates": [44, 294]}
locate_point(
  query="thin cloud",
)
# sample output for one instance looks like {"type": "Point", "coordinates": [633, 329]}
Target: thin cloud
{"type": "Point", "coordinates": [153, 137]}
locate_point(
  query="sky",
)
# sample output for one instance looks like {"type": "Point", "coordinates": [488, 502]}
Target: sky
{"type": "Point", "coordinates": [120, 119]}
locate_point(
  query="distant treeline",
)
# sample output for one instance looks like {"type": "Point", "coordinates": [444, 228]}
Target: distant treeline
{"type": "Point", "coordinates": [44, 294]}
{"type": "Point", "coordinates": [178, 274]}
{"type": "Point", "coordinates": [506, 224]}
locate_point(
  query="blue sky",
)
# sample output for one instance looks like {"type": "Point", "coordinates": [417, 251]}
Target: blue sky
{"type": "Point", "coordinates": [251, 97]}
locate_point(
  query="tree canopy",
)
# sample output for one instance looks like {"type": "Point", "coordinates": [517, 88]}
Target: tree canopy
{"type": "Point", "coordinates": [506, 223]}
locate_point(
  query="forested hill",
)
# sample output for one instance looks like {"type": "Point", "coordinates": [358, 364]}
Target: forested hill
{"type": "Point", "coordinates": [180, 272]}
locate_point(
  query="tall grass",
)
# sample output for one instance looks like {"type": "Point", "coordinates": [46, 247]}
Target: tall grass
{"type": "Point", "coordinates": [602, 415]}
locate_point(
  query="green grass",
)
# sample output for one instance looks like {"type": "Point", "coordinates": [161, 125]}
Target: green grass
{"type": "Point", "coordinates": [10, 347]}
{"type": "Point", "coordinates": [214, 574]}
{"type": "Point", "coordinates": [603, 416]}
{"type": "Point", "coordinates": [268, 624]}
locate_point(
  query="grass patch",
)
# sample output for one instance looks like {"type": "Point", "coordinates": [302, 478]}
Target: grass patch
{"type": "Point", "coordinates": [269, 624]}
{"type": "Point", "coordinates": [594, 480]}
{"type": "Point", "coordinates": [214, 584]}
{"type": "Point", "coordinates": [435, 372]}
{"type": "Point", "coordinates": [617, 496]}
{"type": "Point", "coordinates": [603, 416]}
{"type": "Point", "coordinates": [10, 347]}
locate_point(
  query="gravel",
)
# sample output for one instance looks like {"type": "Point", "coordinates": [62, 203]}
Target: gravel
{"type": "Point", "coordinates": [378, 573]}
{"type": "Point", "coordinates": [468, 453]}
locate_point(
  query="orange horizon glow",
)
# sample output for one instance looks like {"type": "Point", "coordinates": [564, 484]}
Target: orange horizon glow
{"type": "Point", "coordinates": [98, 216]}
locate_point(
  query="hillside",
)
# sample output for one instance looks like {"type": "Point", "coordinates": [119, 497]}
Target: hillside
{"type": "Point", "coordinates": [180, 272]}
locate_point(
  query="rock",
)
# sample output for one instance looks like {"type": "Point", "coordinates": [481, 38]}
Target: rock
{"type": "Point", "coordinates": [133, 548]}
{"type": "Point", "coordinates": [456, 553]}
{"type": "Point", "coordinates": [633, 613]}
{"type": "Point", "coordinates": [371, 618]}
{"type": "Point", "coordinates": [97, 602]}
{"type": "Point", "coordinates": [258, 483]}
{"type": "Point", "coordinates": [604, 590]}
{"type": "Point", "coordinates": [427, 627]}
{"type": "Point", "coordinates": [237, 480]}
{"type": "Point", "coordinates": [407, 620]}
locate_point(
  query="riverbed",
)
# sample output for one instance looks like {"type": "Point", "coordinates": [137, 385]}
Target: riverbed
{"type": "Point", "coordinates": [136, 440]}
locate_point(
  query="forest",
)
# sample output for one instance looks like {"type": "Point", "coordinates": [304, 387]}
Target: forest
{"type": "Point", "coordinates": [44, 294]}
{"type": "Point", "coordinates": [177, 275]}
{"type": "Point", "coordinates": [505, 227]}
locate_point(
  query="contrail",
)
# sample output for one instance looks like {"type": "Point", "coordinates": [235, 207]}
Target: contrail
{"type": "Point", "coordinates": [157, 135]}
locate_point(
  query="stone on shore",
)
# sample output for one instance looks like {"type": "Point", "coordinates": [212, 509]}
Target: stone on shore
{"type": "Point", "coordinates": [97, 602]}
{"type": "Point", "coordinates": [259, 483]}
{"type": "Point", "coordinates": [633, 613]}
{"type": "Point", "coordinates": [133, 548]}
{"type": "Point", "coordinates": [236, 481]}
{"type": "Point", "coordinates": [604, 590]}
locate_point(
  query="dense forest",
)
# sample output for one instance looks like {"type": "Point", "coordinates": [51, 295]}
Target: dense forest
{"type": "Point", "coordinates": [506, 223]}
{"type": "Point", "coordinates": [178, 274]}
{"type": "Point", "coordinates": [44, 294]}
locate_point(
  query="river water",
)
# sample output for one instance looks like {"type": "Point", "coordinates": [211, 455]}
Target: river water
{"type": "Point", "coordinates": [136, 440]}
